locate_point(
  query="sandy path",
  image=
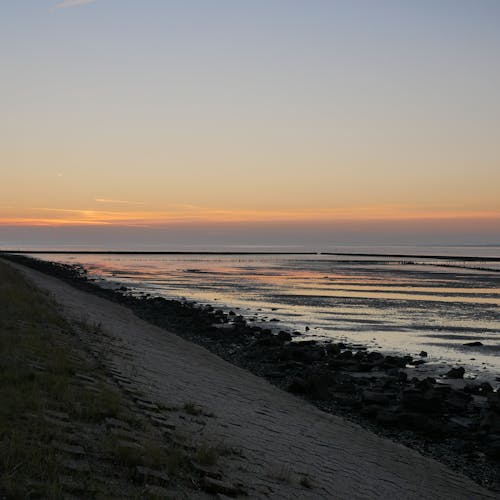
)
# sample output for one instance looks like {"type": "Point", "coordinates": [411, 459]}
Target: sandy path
{"type": "Point", "coordinates": [281, 437]}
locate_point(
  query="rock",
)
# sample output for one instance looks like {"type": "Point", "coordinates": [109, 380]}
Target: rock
{"type": "Point", "coordinates": [456, 373]}
{"type": "Point", "coordinates": [269, 340]}
{"type": "Point", "coordinates": [478, 389]}
{"type": "Point", "coordinates": [370, 411]}
{"type": "Point", "coordinates": [304, 352]}
{"type": "Point", "coordinates": [346, 400]}
{"type": "Point", "coordinates": [485, 387]}
{"type": "Point", "coordinates": [377, 398]}
{"type": "Point", "coordinates": [473, 344]}
{"type": "Point", "coordinates": [423, 354]}
{"type": "Point", "coordinates": [297, 386]}
{"type": "Point", "coordinates": [315, 385]}
{"type": "Point", "coordinates": [284, 336]}
{"type": "Point", "coordinates": [396, 361]}
{"type": "Point", "coordinates": [345, 355]}
{"type": "Point", "coordinates": [332, 349]}
{"type": "Point", "coordinates": [387, 418]}
{"type": "Point", "coordinates": [457, 401]}
{"type": "Point", "coordinates": [375, 357]}
{"type": "Point", "coordinates": [492, 446]}
{"type": "Point", "coordinates": [424, 384]}
{"type": "Point", "coordinates": [462, 423]}
{"type": "Point", "coordinates": [494, 400]}
{"type": "Point", "coordinates": [426, 402]}
{"type": "Point", "coordinates": [490, 422]}
{"type": "Point", "coordinates": [416, 362]}
{"type": "Point", "coordinates": [345, 387]}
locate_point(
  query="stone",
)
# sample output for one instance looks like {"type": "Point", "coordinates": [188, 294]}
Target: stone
{"type": "Point", "coordinates": [492, 446]}
{"type": "Point", "coordinates": [285, 336]}
{"type": "Point", "coordinates": [458, 401]}
{"type": "Point", "coordinates": [387, 418]}
{"type": "Point", "coordinates": [473, 344]}
{"type": "Point", "coordinates": [377, 398]}
{"type": "Point", "coordinates": [456, 373]}
{"type": "Point", "coordinates": [490, 422]}
{"type": "Point", "coordinates": [423, 354]}
{"type": "Point", "coordinates": [462, 423]}
{"type": "Point", "coordinates": [426, 402]}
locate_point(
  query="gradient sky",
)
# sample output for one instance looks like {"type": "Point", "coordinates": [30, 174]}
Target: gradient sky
{"type": "Point", "coordinates": [213, 122]}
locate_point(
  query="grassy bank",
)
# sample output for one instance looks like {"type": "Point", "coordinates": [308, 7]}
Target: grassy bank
{"type": "Point", "coordinates": [66, 428]}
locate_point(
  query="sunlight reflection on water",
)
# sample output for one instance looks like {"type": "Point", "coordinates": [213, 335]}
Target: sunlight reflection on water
{"type": "Point", "coordinates": [380, 302]}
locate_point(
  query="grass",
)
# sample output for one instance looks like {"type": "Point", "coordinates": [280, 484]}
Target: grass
{"type": "Point", "coordinates": [27, 317]}
{"type": "Point", "coordinates": [41, 360]}
{"type": "Point", "coordinates": [37, 372]}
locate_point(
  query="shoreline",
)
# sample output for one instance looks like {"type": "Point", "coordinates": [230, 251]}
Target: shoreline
{"type": "Point", "coordinates": [368, 388]}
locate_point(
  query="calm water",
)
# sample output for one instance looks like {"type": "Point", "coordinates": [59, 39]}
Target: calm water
{"type": "Point", "coordinates": [385, 303]}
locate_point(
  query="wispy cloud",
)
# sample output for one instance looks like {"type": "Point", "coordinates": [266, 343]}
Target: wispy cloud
{"type": "Point", "coordinates": [72, 3]}
{"type": "Point", "coordinates": [120, 216]}
{"type": "Point", "coordinates": [118, 202]}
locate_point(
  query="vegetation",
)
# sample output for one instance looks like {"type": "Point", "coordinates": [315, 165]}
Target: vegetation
{"type": "Point", "coordinates": [51, 393]}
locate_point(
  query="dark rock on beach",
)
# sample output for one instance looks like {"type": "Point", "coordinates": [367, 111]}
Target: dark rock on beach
{"type": "Point", "coordinates": [456, 373]}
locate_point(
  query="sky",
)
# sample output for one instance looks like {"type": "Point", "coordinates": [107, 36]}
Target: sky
{"type": "Point", "coordinates": [206, 123]}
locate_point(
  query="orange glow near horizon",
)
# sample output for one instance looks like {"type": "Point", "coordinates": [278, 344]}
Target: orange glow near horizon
{"type": "Point", "coordinates": [51, 217]}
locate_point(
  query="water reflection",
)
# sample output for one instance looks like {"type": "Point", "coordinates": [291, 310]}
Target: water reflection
{"type": "Point", "coordinates": [385, 303]}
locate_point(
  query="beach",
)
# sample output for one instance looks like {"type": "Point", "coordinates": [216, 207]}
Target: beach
{"type": "Point", "coordinates": [286, 446]}
{"type": "Point", "coordinates": [401, 305]}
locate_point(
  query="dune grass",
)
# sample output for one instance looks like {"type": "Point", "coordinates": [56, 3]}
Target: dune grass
{"type": "Point", "coordinates": [37, 369]}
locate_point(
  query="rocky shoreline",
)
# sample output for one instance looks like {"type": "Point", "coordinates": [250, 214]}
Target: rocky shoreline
{"type": "Point", "coordinates": [458, 424]}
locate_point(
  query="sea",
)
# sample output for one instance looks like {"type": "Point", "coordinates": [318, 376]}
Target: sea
{"type": "Point", "coordinates": [406, 300]}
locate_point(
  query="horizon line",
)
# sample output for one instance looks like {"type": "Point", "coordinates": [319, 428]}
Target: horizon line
{"type": "Point", "coordinates": [159, 252]}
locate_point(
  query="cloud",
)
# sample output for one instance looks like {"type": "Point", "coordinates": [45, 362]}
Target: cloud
{"type": "Point", "coordinates": [121, 202]}
{"type": "Point", "coordinates": [72, 3]}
